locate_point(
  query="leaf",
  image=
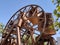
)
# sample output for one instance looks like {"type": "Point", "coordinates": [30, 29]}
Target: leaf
{"type": "Point", "coordinates": [1, 27]}
{"type": "Point", "coordinates": [58, 15]}
{"type": "Point", "coordinates": [58, 8]}
{"type": "Point", "coordinates": [59, 25]}
{"type": "Point", "coordinates": [53, 1]}
{"type": "Point", "coordinates": [57, 29]}
{"type": "Point", "coordinates": [55, 11]}
{"type": "Point", "coordinates": [51, 27]}
{"type": "Point", "coordinates": [58, 1]}
{"type": "Point", "coordinates": [56, 18]}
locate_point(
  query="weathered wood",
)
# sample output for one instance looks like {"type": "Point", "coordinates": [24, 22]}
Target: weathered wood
{"type": "Point", "coordinates": [23, 24]}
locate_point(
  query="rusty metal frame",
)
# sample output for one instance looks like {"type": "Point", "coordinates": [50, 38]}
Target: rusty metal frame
{"type": "Point", "coordinates": [22, 24]}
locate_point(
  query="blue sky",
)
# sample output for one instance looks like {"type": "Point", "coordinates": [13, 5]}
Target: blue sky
{"type": "Point", "coordinates": [9, 7]}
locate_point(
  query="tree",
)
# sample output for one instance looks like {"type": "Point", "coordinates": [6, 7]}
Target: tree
{"type": "Point", "coordinates": [1, 27]}
{"type": "Point", "coordinates": [57, 13]}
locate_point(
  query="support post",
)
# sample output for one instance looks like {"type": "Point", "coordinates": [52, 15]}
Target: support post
{"type": "Point", "coordinates": [18, 36]}
{"type": "Point", "coordinates": [18, 32]}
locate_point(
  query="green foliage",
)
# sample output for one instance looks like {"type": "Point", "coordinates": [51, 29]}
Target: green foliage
{"type": "Point", "coordinates": [58, 8]}
{"type": "Point", "coordinates": [57, 24]}
{"type": "Point", "coordinates": [1, 27]}
{"type": "Point", "coordinates": [51, 27]}
{"type": "Point", "coordinates": [52, 0]}
{"type": "Point", "coordinates": [57, 12]}
{"type": "Point", "coordinates": [29, 41]}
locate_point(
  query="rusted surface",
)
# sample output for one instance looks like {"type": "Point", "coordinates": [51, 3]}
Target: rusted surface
{"type": "Point", "coordinates": [25, 25]}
